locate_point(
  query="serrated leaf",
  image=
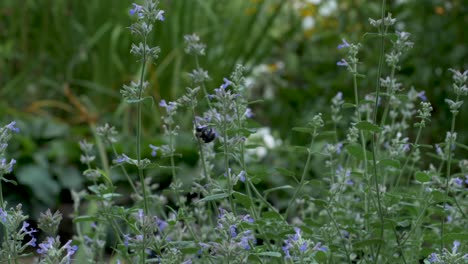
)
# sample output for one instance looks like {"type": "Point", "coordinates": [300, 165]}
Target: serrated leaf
{"type": "Point", "coordinates": [422, 176]}
{"type": "Point", "coordinates": [214, 197]}
{"type": "Point", "coordinates": [368, 126]}
{"type": "Point", "coordinates": [390, 163]}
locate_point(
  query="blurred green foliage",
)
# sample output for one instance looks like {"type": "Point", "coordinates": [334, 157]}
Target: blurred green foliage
{"type": "Point", "coordinates": [62, 63]}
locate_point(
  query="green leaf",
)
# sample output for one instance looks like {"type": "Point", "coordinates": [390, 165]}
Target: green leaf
{"type": "Point", "coordinates": [299, 149]}
{"type": "Point", "coordinates": [390, 163]}
{"type": "Point", "coordinates": [84, 218]}
{"type": "Point", "coordinates": [69, 177]}
{"type": "Point", "coordinates": [284, 187]}
{"type": "Point", "coordinates": [214, 197]}
{"type": "Point", "coordinates": [368, 126]}
{"type": "Point", "coordinates": [461, 145]}
{"type": "Point", "coordinates": [348, 105]}
{"type": "Point", "coordinates": [456, 236]}
{"type": "Point", "coordinates": [9, 181]}
{"type": "Point", "coordinates": [320, 202]}
{"type": "Point", "coordinates": [272, 215]}
{"type": "Point", "coordinates": [356, 152]}
{"type": "Point", "coordinates": [38, 178]}
{"type": "Point", "coordinates": [425, 146]}
{"type": "Point", "coordinates": [243, 199]}
{"type": "Point", "coordinates": [269, 254]}
{"type": "Point", "coordinates": [285, 172]}
{"type": "Point", "coordinates": [308, 130]}
{"type": "Point", "coordinates": [422, 176]}
{"type": "Point", "coordinates": [368, 242]}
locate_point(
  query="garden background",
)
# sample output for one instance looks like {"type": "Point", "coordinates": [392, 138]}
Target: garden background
{"type": "Point", "coordinates": [63, 63]}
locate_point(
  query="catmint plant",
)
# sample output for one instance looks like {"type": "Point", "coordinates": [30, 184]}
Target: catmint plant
{"type": "Point", "coordinates": [146, 15]}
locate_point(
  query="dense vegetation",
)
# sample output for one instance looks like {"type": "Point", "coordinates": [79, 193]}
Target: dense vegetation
{"type": "Point", "coordinates": [224, 131]}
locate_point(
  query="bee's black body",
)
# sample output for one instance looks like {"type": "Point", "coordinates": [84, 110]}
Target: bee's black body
{"type": "Point", "coordinates": [207, 134]}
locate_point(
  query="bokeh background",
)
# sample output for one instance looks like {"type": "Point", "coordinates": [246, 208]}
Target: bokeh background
{"type": "Point", "coordinates": [63, 62]}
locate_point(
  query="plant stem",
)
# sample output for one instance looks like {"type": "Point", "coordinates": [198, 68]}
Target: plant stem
{"type": "Point", "coordinates": [304, 172]}
{"type": "Point", "coordinates": [138, 135]}
{"type": "Point", "coordinates": [447, 177]}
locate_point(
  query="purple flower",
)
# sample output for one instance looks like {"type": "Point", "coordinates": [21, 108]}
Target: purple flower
{"type": "Point", "coordinates": [126, 239]}
{"type": "Point", "coordinates": [70, 249]}
{"type": "Point", "coordinates": [169, 106]}
{"type": "Point", "coordinates": [154, 150]}
{"type": "Point", "coordinates": [32, 242]}
{"type": "Point", "coordinates": [121, 159]}
{"type": "Point", "coordinates": [160, 15]}
{"type": "Point", "coordinates": [342, 62]}
{"type": "Point", "coordinates": [25, 230]}
{"type": "Point", "coordinates": [44, 247]}
{"type": "Point", "coordinates": [297, 235]}
{"type": "Point", "coordinates": [3, 215]}
{"type": "Point", "coordinates": [227, 173]}
{"type": "Point", "coordinates": [286, 248]}
{"type": "Point", "coordinates": [449, 219]}
{"type": "Point", "coordinates": [318, 247]}
{"type": "Point", "coordinates": [339, 146]}
{"type": "Point", "coordinates": [422, 95]}
{"type": "Point", "coordinates": [248, 218]}
{"type": "Point", "coordinates": [406, 147]}
{"type": "Point", "coordinates": [233, 230]}
{"type": "Point", "coordinates": [456, 244]}
{"type": "Point", "coordinates": [248, 113]}
{"type": "Point", "coordinates": [141, 215]}
{"type": "Point", "coordinates": [344, 44]}
{"type": "Point", "coordinates": [222, 212]}
{"type": "Point", "coordinates": [12, 127]}
{"type": "Point", "coordinates": [439, 150]}
{"type": "Point", "coordinates": [8, 167]}
{"type": "Point", "coordinates": [137, 9]}
{"type": "Point", "coordinates": [303, 247]}
{"type": "Point", "coordinates": [458, 181]}
{"type": "Point", "coordinates": [242, 176]}
{"type": "Point", "coordinates": [226, 83]}
{"type": "Point", "coordinates": [161, 224]}
{"type": "Point", "coordinates": [433, 258]}
{"type": "Point", "coordinates": [246, 238]}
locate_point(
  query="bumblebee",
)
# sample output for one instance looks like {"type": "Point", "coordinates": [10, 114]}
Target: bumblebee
{"type": "Point", "coordinates": [205, 133]}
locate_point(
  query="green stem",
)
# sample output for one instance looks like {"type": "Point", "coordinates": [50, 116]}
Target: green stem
{"type": "Point", "coordinates": [304, 172]}
{"type": "Point", "coordinates": [447, 178]}
{"type": "Point", "coordinates": [375, 135]}
{"type": "Point", "coordinates": [138, 133]}
{"type": "Point", "coordinates": [409, 156]}
{"type": "Point", "coordinates": [197, 64]}
{"type": "Point", "coordinates": [390, 94]}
